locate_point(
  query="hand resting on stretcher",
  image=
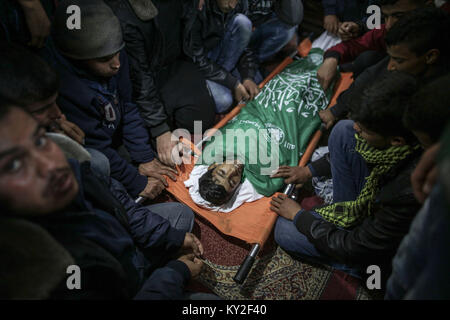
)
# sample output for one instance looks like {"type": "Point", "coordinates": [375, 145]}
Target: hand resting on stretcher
{"type": "Point", "coordinates": [279, 121]}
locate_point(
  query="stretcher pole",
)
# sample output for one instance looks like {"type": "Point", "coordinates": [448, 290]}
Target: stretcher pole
{"type": "Point", "coordinates": [302, 50]}
{"type": "Point", "coordinates": [241, 103]}
{"type": "Point", "coordinates": [246, 266]}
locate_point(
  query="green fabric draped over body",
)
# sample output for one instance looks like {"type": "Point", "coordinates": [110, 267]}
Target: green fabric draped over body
{"type": "Point", "coordinates": [274, 129]}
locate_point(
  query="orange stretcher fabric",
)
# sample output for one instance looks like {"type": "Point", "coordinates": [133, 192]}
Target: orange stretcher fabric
{"type": "Point", "coordinates": [252, 221]}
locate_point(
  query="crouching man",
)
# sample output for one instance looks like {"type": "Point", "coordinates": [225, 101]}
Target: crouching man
{"type": "Point", "coordinates": [28, 81]}
{"type": "Point", "coordinates": [123, 250]}
{"type": "Point", "coordinates": [371, 159]}
{"type": "Point", "coordinates": [95, 93]}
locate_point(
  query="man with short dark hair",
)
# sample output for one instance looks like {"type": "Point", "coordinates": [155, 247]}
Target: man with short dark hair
{"type": "Point", "coordinates": [220, 182]}
{"type": "Point", "coordinates": [428, 112]}
{"type": "Point", "coordinates": [420, 267]}
{"type": "Point", "coordinates": [169, 90]}
{"type": "Point", "coordinates": [373, 40]}
{"type": "Point", "coordinates": [124, 250]}
{"type": "Point", "coordinates": [96, 94]}
{"type": "Point", "coordinates": [28, 81]}
{"type": "Point", "coordinates": [416, 44]}
{"type": "Point", "coordinates": [215, 39]}
{"type": "Point", "coordinates": [275, 23]}
{"type": "Point", "coordinates": [372, 159]}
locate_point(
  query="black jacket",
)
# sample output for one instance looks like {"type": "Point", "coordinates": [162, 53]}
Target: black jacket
{"type": "Point", "coordinates": [117, 244]}
{"type": "Point", "coordinates": [203, 31]}
{"type": "Point", "coordinates": [365, 79]}
{"type": "Point", "coordinates": [377, 238]}
{"type": "Point", "coordinates": [288, 11]}
{"type": "Point", "coordinates": [151, 46]}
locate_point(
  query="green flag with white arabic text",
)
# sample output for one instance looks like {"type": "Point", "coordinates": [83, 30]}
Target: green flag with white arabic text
{"type": "Point", "coordinates": [274, 129]}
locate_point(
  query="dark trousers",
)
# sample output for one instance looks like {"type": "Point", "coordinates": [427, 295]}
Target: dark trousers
{"type": "Point", "coordinates": [348, 168]}
{"type": "Point", "coordinates": [186, 97]}
{"type": "Point", "coordinates": [349, 171]}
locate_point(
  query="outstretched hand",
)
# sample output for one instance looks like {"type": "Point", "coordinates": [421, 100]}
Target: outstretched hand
{"type": "Point", "coordinates": [192, 244]}
{"type": "Point", "coordinates": [156, 169]}
{"type": "Point", "coordinates": [164, 146]}
{"type": "Point", "coordinates": [153, 188]}
{"type": "Point", "coordinates": [252, 88]}
{"type": "Point", "coordinates": [297, 175]}
{"type": "Point", "coordinates": [331, 23]}
{"type": "Point", "coordinates": [348, 30]}
{"type": "Point", "coordinates": [284, 206]}
{"type": "Point", "coordinates": [241, 93]}
{"type": "Point", "coordinates": [70, 129]}
{"type": "Point", "coordinates": [327, 117]}
{"type": "Point", "coordinates": [193, 263]}
{"type": "Point", "coordinates": [327, 71]}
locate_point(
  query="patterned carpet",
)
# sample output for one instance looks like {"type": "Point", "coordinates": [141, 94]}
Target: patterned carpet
{"type": "Point", "coordinates": [274, 276]}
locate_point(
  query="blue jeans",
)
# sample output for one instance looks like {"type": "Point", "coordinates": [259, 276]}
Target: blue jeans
{"type": "Point", "coordinates": [270, 37]}
{"type": "Point", "coordinates": [297, 245]}
{"type": "Point", "coordinates": [349, 172]}
{"type": "Point", "coordinates": [348, 168]}
{"type": "Point", "coordinates": [179, 215]}
{"type": "Point", "coordinates": [237, 36]}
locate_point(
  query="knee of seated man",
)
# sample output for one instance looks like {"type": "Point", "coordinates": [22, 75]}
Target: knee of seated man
{"type": "Point", "coordinates": [281, 232]}
{"type": "Point", "coordinates": [342, 133]}
{"type": "Point", "coordinates": [243, 23]}
{"type": "Point", "coordinates": [223, 102]}
{"type": "Point", "coordinates": [186, 214]}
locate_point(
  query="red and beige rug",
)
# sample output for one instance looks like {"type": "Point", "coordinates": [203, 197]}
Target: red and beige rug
{"type": "Point", "coordinates": [274, 276]}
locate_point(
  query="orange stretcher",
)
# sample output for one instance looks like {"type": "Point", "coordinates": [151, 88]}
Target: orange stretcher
{"type": "Point", "coordinates": [253, 221]}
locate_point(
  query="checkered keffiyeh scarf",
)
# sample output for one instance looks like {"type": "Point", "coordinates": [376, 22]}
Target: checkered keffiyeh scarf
{"type": "Point", "coordinates": [349, 213]}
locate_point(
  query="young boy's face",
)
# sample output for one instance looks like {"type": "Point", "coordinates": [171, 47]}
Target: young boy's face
{"type": "Point", "coordinates": [402, 59]}
{"type": "Point", "coordinates": [376, 140]}
{"type": "Point", "coordinates": [105, 67]}
{"type": "Point", "coordinates": [45, 111]}
{"type": "Point", "coordinates": [35, 177]}
{"type": "Point", "coordinates": [393, 12]}
{"type": "Point", "coordinates": [227, 5]}
{"type": "Point", "coordinates": [373, 139]}
{"type": "Point", "coordinates": [227, 175]}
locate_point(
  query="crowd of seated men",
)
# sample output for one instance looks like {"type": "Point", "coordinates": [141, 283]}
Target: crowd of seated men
{"type": "Point", "coordinates": [86, 122]}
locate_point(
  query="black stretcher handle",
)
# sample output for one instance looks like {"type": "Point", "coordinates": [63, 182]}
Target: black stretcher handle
{"type": "Point", "coordinates": [247, 265]}
{"type": "Point", "coordinates": [244, 269]}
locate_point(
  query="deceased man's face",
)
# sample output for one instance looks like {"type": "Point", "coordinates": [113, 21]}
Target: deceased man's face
{"type": "Point", "coordinates": [227, 175]}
